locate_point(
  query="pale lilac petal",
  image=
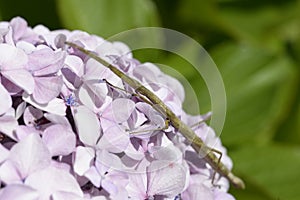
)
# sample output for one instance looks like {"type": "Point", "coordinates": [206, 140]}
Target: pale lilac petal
{"type": "Point", "coordinates": [31, 114]}
{"type": "Point", "coordinates": [93, 95]}
{"type": "Point", "coordinates": [137, 185]}
{"type": "Point", "coordinates": [11, 57]}
{"type": "Point", "coordinates": [57, 119]}
{"type": "Point", "coordinates": [83, 159]}
{"type": "Point", "coordinates": [100, 198]}
{"type": "Point", "coordinates": [60, 165]}
{"type": "Point", "coordinates": [45, 61]}
{"type": "Point", "coordinates": [47, 88]}
{"type": "Point", "coordinates": [19, 26]}
{"type": "Point", "coordinates": [8, 123]}
{"type": "Point", "coordinates": [106, 161]}
{"type": "Point", "coordinates": [122, 109]}
{"type": "Point", "coordinates": [50, 180]}
{"type": "Point", "coordinates": [165, 178]}
{"type": "Point", "coordinates": [170, 153]}
{"type": "Point", "coordinates": [11, 87]}
{"type": "Point", "coordinates": [116, 112]}
{"type": "Point", "coordinates": [147, 71]}
{"type": "Point", "coordinates": [96, 71]}
{"type": "Point", "coordinates": [17, 192]}
{"type": "Point", "coordinates": [109, 186]}
{"type": "Point", "coordinates": [134, 153]}
{"type": "Point", "coordinates": [87, 124]}
{"type": "Point", "coordinates": [3, 153]}
{"type": "Point", "coordinates": [93, 175]}
{"type": "Point", "coordinates": [25, 46]}
{"type": "Point", "coordinates": [75, 64]}
{"type": "Point", "coordinates": [56, 106]}
{"type": "Point", "coordinates": [20, 110]}
{"type": "Point", "coordinates": [60, 195]}
{"type": "Point", "coordinates": [23, 131]}
{"type": "Point", "coordinates": [175, 86]}
{"type": "Point", "coordinates": [198, 191]}
{"type": "Point", "coordinates": [59, 139]}
{"type": "Point", "coordinates": [221, 195]}
{"type": "Point", "coordinates": [21, 78]}
{"type": "Point", "coordinates": [121, 193]}
{"type": "Point", "coordinates": [114, 139]}
{"type": "Point", "coordinates": [30, 155]}
{"type": "Point", "coordinates": [6, 101]}
{"type": "Point", "coordinates": [9, 173]}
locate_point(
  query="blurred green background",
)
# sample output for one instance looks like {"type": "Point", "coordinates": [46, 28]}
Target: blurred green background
{"type": "Point", "coordinates": [256, 46]}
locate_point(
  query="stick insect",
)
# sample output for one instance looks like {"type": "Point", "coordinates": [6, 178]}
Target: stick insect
{"type": "Point", "coordinates": [198, 145]}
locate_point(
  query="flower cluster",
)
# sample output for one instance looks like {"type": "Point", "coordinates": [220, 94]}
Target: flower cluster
{"type": "Point", "coordinates": [71, 129]}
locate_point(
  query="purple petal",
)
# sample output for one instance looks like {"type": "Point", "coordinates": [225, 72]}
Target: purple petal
{"type": "Point", "coordinates": [221, 195]}
{"type": "Point", "coordinates": [57, 119]}
{"type": "Point", "coordinates": [56, 106]}
{"type": "Point", "coordinates": [59, 139]}
{"type": "Point", "coordinates": [23, 131]}
{"type": "Point", "coordinates": [17, 192]}
{"type": "Point", "coordinates": [109, 186]}
{"type": "Point", "coordinates": [9, 173]}
{"type": "Point", "coordinates": [165, 178]}
{"type": "Point", "coordinates": [100, 198]}
{"type": "Point", "coordinates": [51, 180]}
{"type": "Point", "coordinates": [11, 88]}
{"type": "Point", "coordinates": [119, 111]}
{"type": "Point", "coordinates": [93, 175]}
{"type": "Point", "coordinates": [87, 124]}
{"type": "Point", "coordinates": [198, 191]}
{"type": "Point", "coordinates": [93, 95]}
{"type": "Point", "coordinates": [8, 123]}
{"type": "Point", "coordinates": [45, 61]}
{"type": "Point", "coordinates": [106, 161]}
{"type": "Point", "coordinates": [75, 64]}
{"type": "Point", "coordinates": [3, 153]}
{"type": "Point", "coordinates": [60, 195]}
{"type": "Point", "coordinates": [148, 72]}
{"type": "Point", "coordinates": [11, 58]}
{"type": "Point", "coordinates": [20, 109]}
{"type": "Point", "coordinates": [137, 186]}
{"type": "Point", "coordinates": [6, 101]}
{"type": "Point", "coordinates": [83, 159]}
{"type": "Point", "coordinates": [114, 139]}
{"type": "Point", "coordinates": [21, 78]}
{"type": "Point", "coordinates": [30, 155]}
{"type": "Point", "coordinates": [19, 26]}
{"type": "Point", "coordinates": [175, 86]}
{"type": "Point", "coordinates": [31, 114]}
{"type": "Point", "coordinates": [96, 71]}
{"type": "Point", "coordinates": [47, 88]}
{"type": "Point", "coordinates": [169, 152]}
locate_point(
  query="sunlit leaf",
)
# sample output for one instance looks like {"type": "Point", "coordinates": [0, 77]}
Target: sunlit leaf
{"type": "Point", "coordinates": [107, 17]}
{"type": "Point", "coordinates": [274, 169]}
{"type": "Point", "coordinates": [259, 87]}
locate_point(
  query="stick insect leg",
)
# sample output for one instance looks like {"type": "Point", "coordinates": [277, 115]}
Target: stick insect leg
{"type": "Point", "coordinates": [206, 117]}
{"type": "Point", "coordinates": [132, 93]}
{"type": "Point", "coordinates": [219, 160]}
{"type": "Point", "coordinates": [167, 124]}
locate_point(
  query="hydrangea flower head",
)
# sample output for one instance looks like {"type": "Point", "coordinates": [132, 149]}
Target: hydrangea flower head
{"type": "Point", "coordinates": [74, 130]}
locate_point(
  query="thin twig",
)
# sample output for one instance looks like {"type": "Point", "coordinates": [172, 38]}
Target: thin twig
{"type": "Point", "coordinates": [199, 146]}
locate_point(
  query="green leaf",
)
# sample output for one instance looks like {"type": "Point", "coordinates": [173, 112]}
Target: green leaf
{"type": "Point", "coordinates": [107, 17]}
{"type": "Point", "coordinates": [274, 169]}
{"type": "Point", "coordinates": [265, 23]}
{"type": "Point", "coordinates": [259, 87]}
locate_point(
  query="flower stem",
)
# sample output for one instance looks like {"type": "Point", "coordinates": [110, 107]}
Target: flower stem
{"type": "Point", "coordinates": [198, 145]}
